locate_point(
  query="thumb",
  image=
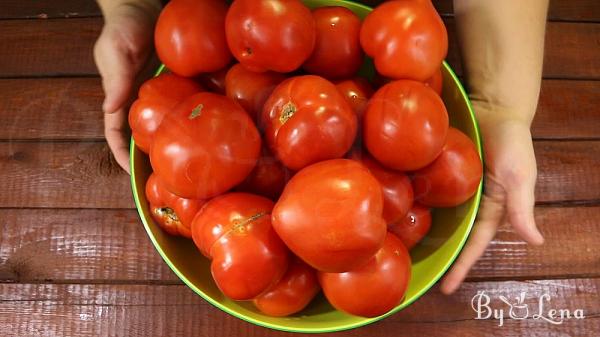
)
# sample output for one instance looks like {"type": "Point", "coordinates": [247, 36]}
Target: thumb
{"type": "Point", "coordinates": [519, 208]}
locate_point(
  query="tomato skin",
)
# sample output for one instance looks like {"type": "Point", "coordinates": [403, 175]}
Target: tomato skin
{"type": "Point", "coordinates": [157, 97]}
{"type": "Point", "coordinates": [436, 82]}
{"type": "Point", "coordinates": [235, 231]}
{"type": "Point", "coordinates": [397, 190]}
{"type": "Point", "coordinates": [337, 53]}
{"type": "Point", "coordinates": [205, 147]}
{"type": "Point", "coordinates": [329, 215]}
{"type": "Point", "coordinates": [453, 177]}
{"type": "Point", "coordinates": [292, 293]}
{"type": "Point", "coordinates": [357, 92]}
{"type": "Point", "coordinates": [215, 81]}
{"type": "Point", "coordinates": [374, 288]}
{"type": "Point", "coordinates": [277, 35]}
{"type": "Point", "coordinates": [189, 36]}
{"type": "Point", "coordinates": [405, 125]}
{"type": "Point", "coordinates": [171, 213]}
{"type": "Point", "coordinates": [307, 120]}
{"type": "Point", "coordinates": [251, 89]}
{"type": "Point", "coordinates": [413, 227]}
{"type": "Point", "coordinates": [407, 39]}
{"type": "Point", "coordinates": [268, 178]}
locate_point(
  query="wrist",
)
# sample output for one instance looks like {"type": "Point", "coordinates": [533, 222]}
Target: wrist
{"type": "Point", "coordinates": [147, 10]}
{"type": "Point", "coordinates": [491, 114]}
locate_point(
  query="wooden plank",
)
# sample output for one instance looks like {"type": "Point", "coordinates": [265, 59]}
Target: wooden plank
{"type": "Point", "coordinates": [46, 9]}
{"type": "Point", "coordinates": [155, 310]}
{"type": "Point", "coordinates": [64, 47]}
{"type": "Point", "coordinates": [77, 245]}
{"type": "Point", "coordinates": [62, 175]}
{"type": "Point", "coordinates": [51, 108]}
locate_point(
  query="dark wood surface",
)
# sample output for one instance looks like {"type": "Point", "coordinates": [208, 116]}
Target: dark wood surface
{"type": "Point", "coordinates": [75, 259]}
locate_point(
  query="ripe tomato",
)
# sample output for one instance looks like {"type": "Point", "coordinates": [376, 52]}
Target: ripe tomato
{"type": "Point", "coordinates": [337, 53]}
{"type": "Point", "coordinates": [205, 147]}
{"type": "Point", "coordinates": [413, 227]}
{"type": "Point", "coordinates": [330, 215]}
{"type": "Point", "coordinates": [435, 82]}
{"type": "Point", "coordinates": [454, 175]}
{"type": "Point", "coordinates": [251, 89]}
{"type": "Point", "coordinates": [397, 191]}
{"type": "Point", "coordinates": [357, 92]}
{"type": "Point", "coordinates": [405, 38]}
{"type": "Point", "coordinates": [235, 231]}
{"type": "Point", "coordinates": [268, 177]}
{"type": "Point", "coordinates": [293, 293]}
{"type": "Point", "coordinates": [171, 213]}
{"type": "Point", "coordinates": [405, 125]}
{"type": "Point", "coordinates": [374, 288]}
{"type": "Point", "coordinates": [189, 36]}
{"type": "Point", "coordinates": [276, 35]}
{"type": "Point", "coordinates": [307, 120]}
{"type": "Point", "coordinates": [156, 98]}
{"type": "Point", "coordinates": [215, 81]}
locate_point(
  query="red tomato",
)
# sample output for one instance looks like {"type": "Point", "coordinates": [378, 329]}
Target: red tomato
{"type": "Point", "coordinates": [435, 82]}
{"type": "Point", "coordinates": [235, 230]}
{"type": "Point", "coordinates": [156, 98]}
{"type": "Point", "coordinates": [205, 147]}
{"type": "Point", "coordinates": [337, 52]}
{"type": "Point", "coordinates": [330, 215]}
{"type": "Point", "coordinates": [172, 213]}
{"type": "Point", "coordinates": [413, 228]}
{"type": "Point", "coordinates": [293, 293]}
{"type": "Point", "coordinates": [357, 92]}
{"type": "Point", "coordinates": [374, 288]}
{"type": "Point", "coordinates": [215, 81]}
{"type": "Point", "coordinates": [277, 35]}
{"type": "Point", "coordinates": [251, 89]}
{"type": "Point", "coordinates": [405, 125]}
{"type": "Point", "coordinates": [397, 191]}
{"type": "Point", "coordinates": [453, 177]}
{"type": "Point", "coordinates": [189, 36]}
{"type": "Point", "coordinates": [405, 38]}
{"type": "Point", "coordinates": [268, 177]}
{"type": "Point", "coordinates": [307, 120]}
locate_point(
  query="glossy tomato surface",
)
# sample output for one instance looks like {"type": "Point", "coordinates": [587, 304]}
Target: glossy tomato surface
{"type": "Point", "coordinates": [307, 120]}
{"type": "Point", "coordinates": [330, 215]}
{"type": "Point", "coordinates": [251, 89]}
{"type": "Point", "coordinates": [374, 288]}
{"type": "Point", "coordinates": [405, 125]}
{"type": "Point", "coordinates": [453, 177]}
{"type": "Point", "coordinates": [235, 231]}
{"type": "Point", "coordinates": [277, 35]}
{"type": "Point", "coordinates": [337, 53]}
{"type": "Point", "coordinates": [215, 81]}
{"type": "Point", "coordinates": [407, 39]}
{"type": "Point", "coordinates": [206, 146]}
{"type": "Point", "coordinates": [156, 98]}
{"type": "Point", "coordinates": [413, 227]}
{"type": "Point", "coordinates": [292, 293]}
{"type": "Point", "coordinates": [268, 178]}
{"type": "Point", "coordinates": [396, 187]}
{"type": "Point", "coordinates": [357, 92]}
{"type": "Point", "coordinates": [189, 36]}
{"type": "Point", "coordinates": [171, 213]}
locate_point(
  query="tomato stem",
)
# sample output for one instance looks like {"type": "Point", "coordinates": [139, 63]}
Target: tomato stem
{"type": "Point", "coordinates": [196, 111]}
{"type": "Point", "coordinates": [288, 110]}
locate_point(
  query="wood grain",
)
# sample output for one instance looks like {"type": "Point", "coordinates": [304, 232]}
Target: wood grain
{"type": "Point", "coordinates": [155, 310]}
{"type": "Point", "coordinates": [62, 175]}
{"type": "Point", "coordinates": [68, 245]}
{"type": "Point", "coordinates": [64, 47]}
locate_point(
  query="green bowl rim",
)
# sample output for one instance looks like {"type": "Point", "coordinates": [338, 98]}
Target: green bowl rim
{"type": "Point", "coordinates": [477, 200]}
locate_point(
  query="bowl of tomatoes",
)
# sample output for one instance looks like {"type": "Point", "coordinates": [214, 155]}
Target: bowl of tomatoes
{"type": "Point", "coordinates": [312, 193]}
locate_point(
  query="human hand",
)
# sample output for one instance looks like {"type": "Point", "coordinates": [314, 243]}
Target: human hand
{"type": "Point", "coordinates": [510, 177]}
{"type": "Point", "coordinates": [120, 54]}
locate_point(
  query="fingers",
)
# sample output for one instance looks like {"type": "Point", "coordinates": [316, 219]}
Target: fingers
{"type": "Point", "coordinates": [115, 131]}
{"type": "Point", "coordinates": [490, 215]}
{"type": "Point", "coordinates": [519, 209]}
{"type": "Point", "coordinates": [116, 70]}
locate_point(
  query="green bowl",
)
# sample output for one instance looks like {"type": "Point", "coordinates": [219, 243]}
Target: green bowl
{"type": "Point", "coordinates": [431, 258]}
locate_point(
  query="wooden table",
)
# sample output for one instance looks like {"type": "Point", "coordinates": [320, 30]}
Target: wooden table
{"type": "Point", "coordinates": [75, 260]}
